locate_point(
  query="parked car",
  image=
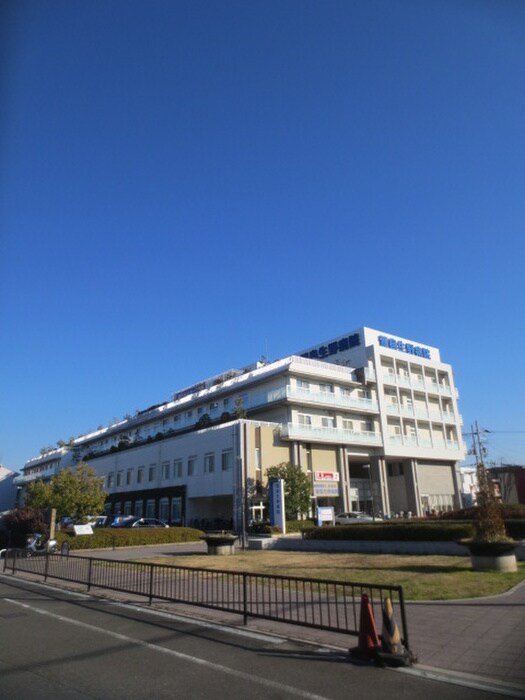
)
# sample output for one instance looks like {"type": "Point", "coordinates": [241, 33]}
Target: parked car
{"type": "Point", "coordinates": [354, 517]}
{"type": "Point", "coordinates": [140, 522]}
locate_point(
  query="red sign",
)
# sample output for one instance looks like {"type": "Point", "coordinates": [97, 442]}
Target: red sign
{"type": "Point", "coordinates": [326, 476]}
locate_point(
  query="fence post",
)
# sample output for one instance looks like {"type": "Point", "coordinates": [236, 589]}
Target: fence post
{"type": "Point", "coordinates": [403, 617]}
{"type": "Point", "coordinates": [245, 598]}
{"type": "Point", "coordinates": [151, 583]}
{"type": "Point", "coordinates": [89, 574]}
{"type": "Point", "coordinates": [46, 567]}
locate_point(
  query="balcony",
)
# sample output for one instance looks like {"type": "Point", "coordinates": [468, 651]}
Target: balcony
{"type": "Point", "coordinates": [309, 433]}
{"type": "Point", "coordinates": [413, 382]}
{"type": "Point", "coordinates": [426, 442]}
{"type": "Point", "coordinates": [335, 400]}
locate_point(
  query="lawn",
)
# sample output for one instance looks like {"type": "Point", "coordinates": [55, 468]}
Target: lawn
{"type": "Point", "coordinates": [422, 577]}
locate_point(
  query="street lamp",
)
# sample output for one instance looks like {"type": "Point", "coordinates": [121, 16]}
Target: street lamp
{"type": "Point", "coordinates": [369, 470]}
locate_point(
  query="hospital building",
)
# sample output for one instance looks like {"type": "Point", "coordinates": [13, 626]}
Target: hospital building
{"type": "Point", "coordinates": [371, 417]}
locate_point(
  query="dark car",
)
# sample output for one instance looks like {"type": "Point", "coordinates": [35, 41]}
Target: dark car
{"type": "Point", "coordinates": [140, 522]}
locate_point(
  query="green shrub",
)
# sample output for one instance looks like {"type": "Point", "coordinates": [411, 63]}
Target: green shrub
{"type": "Point", "coordinates": [509, 511]}
{"type": "Point", "coordinates": [299, 525]}
{"type": "Point", "coordinates": [263, 527]}
{"type": "Point", "coordinates": [416, 531]}
{"type": "Point", "coordinates": [109, 537]}
{"type": "Point", "coordinates": [22, 522]}
{"type": "Point", "coordinates": [515, 529]}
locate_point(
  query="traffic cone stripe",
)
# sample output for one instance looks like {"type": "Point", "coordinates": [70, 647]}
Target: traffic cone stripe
{"type": "Point", "coordinates": [391, 639]}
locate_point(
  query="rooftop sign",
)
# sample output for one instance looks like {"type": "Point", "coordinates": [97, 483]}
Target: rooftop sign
{"type": "Point", "coordinates": [345, 343]}
{"type": "Point", "coordinates": [400, 345]}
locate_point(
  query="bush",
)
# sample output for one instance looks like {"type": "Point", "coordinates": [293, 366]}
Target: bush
{"type": "Point", "coordinates": [509, 511]}
{"type": "Point", "coordinates": [299, 525]}
{"type": "Point", "coordinates": [515, 529]}
{"type": "Point", "coordinates": [419, 531]}
{"type": "Point", "coordinates": [22, 522]}
{"type": "Point", "coordinates": [263, 527]}
{"type": "Point", "coordinates": [109, 537]}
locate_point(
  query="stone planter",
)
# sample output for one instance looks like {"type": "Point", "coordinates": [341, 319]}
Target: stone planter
{"type": "Point", "coordinates": [220, 543]}
{"type": "Point", "coordinates": [492, 556]}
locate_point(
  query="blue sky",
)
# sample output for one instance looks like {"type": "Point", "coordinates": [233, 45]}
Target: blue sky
{"type": "Point", "coordinates": [189, 185]}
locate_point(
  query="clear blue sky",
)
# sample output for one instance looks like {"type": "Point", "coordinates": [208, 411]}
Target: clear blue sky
{"type": "Point", "coordinates": [188, 185]}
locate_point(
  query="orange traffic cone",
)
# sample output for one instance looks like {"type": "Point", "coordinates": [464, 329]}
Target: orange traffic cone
{"type": "Point", "coordinates": [368, 643]}
{"type": "Point", "coordinates": [392, 650]}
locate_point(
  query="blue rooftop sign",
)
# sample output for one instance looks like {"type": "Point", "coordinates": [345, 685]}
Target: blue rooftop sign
{"type": "Point", "coordinates": [409, 348]}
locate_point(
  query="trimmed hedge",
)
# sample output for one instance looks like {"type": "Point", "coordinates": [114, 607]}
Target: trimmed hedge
{"type": "Point", "coordinates": [109, 537]}
{"type": "Point", "coordinates": [509, 511]}
{"type": "Point", "coordinates": [264, 528]}
{"type": "Point", "coordinates": [419, 531]}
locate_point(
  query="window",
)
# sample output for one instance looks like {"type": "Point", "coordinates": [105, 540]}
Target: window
{"type": "Point", "coordinates": [225, 402]}
{"type": "Point", "coordinates": [348, 424]}
{"type": "Point", "coordinates": [165, 470]}
{"type": "Point", "coordinates": [363, 393]}
{"type": "Point", "coordinates": [150, 508]}
{"type": "Point", "coordinates": [227, 460]}
{"type": "Point", "coordinates": [209, 463]}
{"type": "Point", "coordinates": [192, 462]}
{"type": "Point", "coordinates": [176, 419]}
{"type": "Point", "coordinates": [152, 473]}
{"type": "Point", "coordinates": [257, 457]}
{"type": "Point", "coordinates": [109, 481]}
{"type": "Point", "coordinates": [326, 388]}
{"type": "Point", "coordinates": [189, 414]}
{"type": "Point", "coordinates": [367, 426]}
{"type": "Point", "coordinates": [119, 478]}
{"type": "Point", "coordinates": [303, 384]}
{"type": "Point", "coordinates": [138, 509]}
{"type": "Point", "coordinates": [140, 476]}
{"type": "Point", "coordinates": [129, 477]}
{"type": "Point", "coordinates": [213, 405]}
{"type": "Point", "coordinates": [176, 510]}
{"type": "Point", "coordinates": [177, 468]}
{"type": "Point", "coordinates": [127, 508]}
{"type": "Point", "coordinates": [304, 419]}
{"type": "Point", "coordinates": [164, 509]}
{"type": "Point", "coordinates": [327, 421]}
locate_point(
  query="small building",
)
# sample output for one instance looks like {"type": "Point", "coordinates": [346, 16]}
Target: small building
{"type": "Point", "coordinates": [509, 480]}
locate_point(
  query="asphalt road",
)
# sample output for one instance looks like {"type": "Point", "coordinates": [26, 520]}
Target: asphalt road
{"type": "Point", "coordinates": [65, 646]}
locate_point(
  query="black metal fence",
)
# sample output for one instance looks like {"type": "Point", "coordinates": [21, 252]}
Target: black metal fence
{"type": "Point", "coordinates": [319, 603]}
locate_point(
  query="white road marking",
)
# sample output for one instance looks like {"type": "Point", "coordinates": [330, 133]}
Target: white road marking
{"type": "Point", "coordinates": [177, 654]}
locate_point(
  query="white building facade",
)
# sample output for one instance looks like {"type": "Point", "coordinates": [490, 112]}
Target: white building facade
{"type": "Point", "coordinates": [370, 417]}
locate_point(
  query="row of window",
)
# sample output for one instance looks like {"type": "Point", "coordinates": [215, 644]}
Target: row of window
{"type": "Point", "coordinates": [170, 470]}
{"type": "Point", "coordinates": [169, 510]}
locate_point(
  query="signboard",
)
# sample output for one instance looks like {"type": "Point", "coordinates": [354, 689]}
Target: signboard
{"type": "Point", "coordinates": [326, 476]}
{"type": "Point", "coordinates": [277, 512]}
{"type": "Point", "coordinates": [341, 345]}
{"type": "Point", "coordinates": [325, 514]}
{"type": "Point", "coordinates": [82, 529]}
{"type": "Point", "coordinates": [329, 489]}
{"type": "Point", "coordinates": [409, 348]}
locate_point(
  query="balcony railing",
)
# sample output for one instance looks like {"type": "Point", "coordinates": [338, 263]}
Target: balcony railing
{"type": "Point", "coordinates": [433, 443]}
{"type": "Point", "coordinates": [415, 383]}
{"type": "Point", "coordinates": [310, 433]}
{"type": "Point", "coordinates": [331, 399]}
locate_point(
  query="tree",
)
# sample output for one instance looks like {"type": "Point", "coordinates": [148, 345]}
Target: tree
{"type": "Point", "coordinates": [296, 488]}
{"type": "Point", "coordinates": [74, 493]}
